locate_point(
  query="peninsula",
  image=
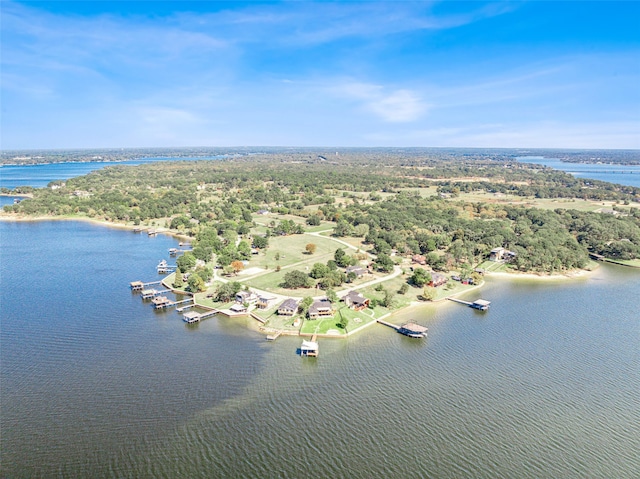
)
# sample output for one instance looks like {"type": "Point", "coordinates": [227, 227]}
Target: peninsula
{"type": "Point", "coordinates": [313, 243]}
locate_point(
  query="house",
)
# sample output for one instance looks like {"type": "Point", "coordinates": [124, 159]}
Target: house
{"type": "Point", "coordinates": [246, 297]}
{"type": "Point", "coordinates": [356, 301]}
{"type": "Point", "coordinates": [359, 271]}
{"type": "Point", "coordinates": [437, 279]}
{"type": "Point", "coordinates": [289, 307]}
{"type": "Point", "coordinates": [238, 308]}
{"type": "Point", "coordinates": [263, 212]}
{"type": "Point", "coordinates": [320, 309]}
{"type": "Point", "coordinates": [419, 259]}
{"type": "Point", "coordinates": [263, 302]}
{"type": "Point", "coordinates": [497, 254]}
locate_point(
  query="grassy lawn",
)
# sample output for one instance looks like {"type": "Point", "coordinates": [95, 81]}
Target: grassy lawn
{"type": "Point", "coordinates": [291, 250]}
{"type": "Point", "coordinates": [494, 267]}
{"type": "Point", "coordinates": [543, 203]}
{"type": "Point", "coordinates": [275, 321]}
{"type": "Point", "coordinates": [271, 282]}
{"type": "Point", "coordinates": [355, 320]}
{"type": "Point", "coordinates": [632, 262]}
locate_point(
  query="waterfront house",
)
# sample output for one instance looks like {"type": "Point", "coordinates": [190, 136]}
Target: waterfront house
{"type": "Point", "coordinates": [321, 309]}
{"type": "Point", "coordinates": [437, 279]}
{"type": "Point", "coordinates": [496, 254]}
{"type": "Point", "coordinates": [238, 308]}
{"type": "Point", "coordinates": [246, 297]}
{"type": "Point", "coordinates": [356, 301]}
{"type": "Point", "coordinates": [289, 307]}
{"type": "Point", "coordinates": [264, 301]}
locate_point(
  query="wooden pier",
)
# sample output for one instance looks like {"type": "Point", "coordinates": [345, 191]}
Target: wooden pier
{"type": "Point", "coordinates": [162, 302]}
{"type": "Point", "coordinates": [388, 324]}
{"type": "Point", "coordinates": [273, 337]}
{"type": "Point", "coordinates": [479, 304]}
{"type": "Point", "coordinates": [175, 251]}
{"type": "Point", "coordinates": [151, 293]}
{"type": "Point", "coordinates": [411, 329]}
{"type": "Point", "coordinates": [139, 285]}
{"type": "Point", "coordinates": [194, 317]}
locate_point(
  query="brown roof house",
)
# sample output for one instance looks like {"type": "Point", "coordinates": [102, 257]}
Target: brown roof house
{"type": "Point", "coordinates": [419, 259]}
{"type": "Point", "coordinates": [321, 309]}
{"type": "Point", "coordinates": [356, 301]}
{"type": "Point", "coordinates": [438, 279]}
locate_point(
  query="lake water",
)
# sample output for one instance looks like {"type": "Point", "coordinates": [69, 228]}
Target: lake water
{"type": "Point", "coordinates": [622, 174]}
{"type": "Point", "coordinates": [97, 384]}
{"type": "Point", "coordinates": [39, 176]}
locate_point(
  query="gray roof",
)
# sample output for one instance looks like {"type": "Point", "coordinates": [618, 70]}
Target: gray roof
{"type": "Point", "coordinates": [289, 304]}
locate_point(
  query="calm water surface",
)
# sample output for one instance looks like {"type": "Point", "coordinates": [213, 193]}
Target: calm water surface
{"type": "Point", "coordinates": [622, 174]}
{"type": "Point", "coordinates": [39, 176]}
{"type": "Point", "coordinates": [97, 384]}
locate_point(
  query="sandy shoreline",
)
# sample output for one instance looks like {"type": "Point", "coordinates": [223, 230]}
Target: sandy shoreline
{"type": "Point", "coordinates": [108, 224]}
{"type": "Point", "coordinates": [581, 273]}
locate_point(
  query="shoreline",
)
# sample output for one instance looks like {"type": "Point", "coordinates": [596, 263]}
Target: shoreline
{"type": "Point", "coordinates": [571, 275]}
{"type": "Point", "coordinates": [108, 224]}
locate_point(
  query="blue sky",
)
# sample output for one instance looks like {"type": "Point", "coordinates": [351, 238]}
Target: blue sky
{"type": "Point", "coordinates": [467, 74]}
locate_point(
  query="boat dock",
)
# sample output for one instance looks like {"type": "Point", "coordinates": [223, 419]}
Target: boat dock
{"type": "Point", "coordinates": [175, 251]}
{"type": "Point", "coordinates": [139, 285]}
{"type": "Point", "coordinates": [163, 267]}
{"type": "Point", "coordinates": [388, 324]}
{"type": "Point", "coordinates": [309, 349]}
{"type": "Point", "coordinates": [150, 293]}
{"type": "Point", "coordinates": [273, 337]}
{"type": "Point", "coordinates": [411, 329]}
{"type": "Point", "coordinates": [479, 304]}
{"type": "Point", "coordinates": [162, 302]}
{"type": "Point", "coordinates": [194, 317]}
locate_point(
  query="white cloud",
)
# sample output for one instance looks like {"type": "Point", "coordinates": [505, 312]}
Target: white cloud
{"type": "Point", "coordinates": [391, 105]}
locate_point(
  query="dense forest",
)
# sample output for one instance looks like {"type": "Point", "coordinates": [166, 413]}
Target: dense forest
{"type": "Point", "coordinates": [399, 203]}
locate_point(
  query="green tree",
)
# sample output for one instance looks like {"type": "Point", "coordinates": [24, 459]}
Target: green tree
{"type": "Point", "coordinates": [296, 279]}
{"type": "Point", "coordinates": [388, 298]}
{"type": "Point", "coordinates": [186, 261]}
{"type": "Point", "coordinates": [178, 282]}
{"type": "Point", "coordinates": [332, 296]}
{"type": "Point", "coordinates": [196, 283]}
{"type": "Point", "coordinates": [260, 242]}
{"type": "Point", "coordinates": [420, 277]}
{"type": "Point", "coordinates": [313, 220]}
{"type": "Point", "coordinates": [429, 293]}
{"type": "Point", "coordinates": [303, 307]}
{"type": "Point", "coordinates": [384, 263]}
{"type": "Point", "coordinates": [319, 270]}
{"type": "Point", "coordinates": [227, 291]}
{"type": "Point", "coordinates": [244, 250]}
